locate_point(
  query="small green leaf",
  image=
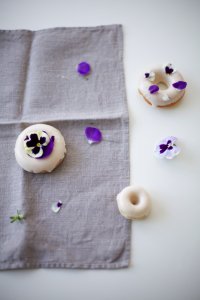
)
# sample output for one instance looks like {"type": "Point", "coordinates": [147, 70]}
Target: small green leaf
{"type": "Point", "coordinates": [18, 217]}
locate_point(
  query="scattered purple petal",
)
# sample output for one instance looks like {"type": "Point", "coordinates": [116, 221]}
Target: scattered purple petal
{"type": "Point", "coordinates": [56, 206]}
{"type": "Point", "coordinates": [154, 89]}
{"type": "Point", "coordinates": [84, 68]}
{"type": "Point", "coordinates": [47, 150]}
{"type": "Point", "coordinates": [93, 135]}
{"type": "Point", "coordinates": [167, 148]}
{"type": "Point", "coordinates": [180, 85]}
{"type": "Point", "coordinates": [59, 204]}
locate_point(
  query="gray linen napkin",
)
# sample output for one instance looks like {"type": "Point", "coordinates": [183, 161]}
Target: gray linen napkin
{"type": "Point", "coordinates": [39, 83]}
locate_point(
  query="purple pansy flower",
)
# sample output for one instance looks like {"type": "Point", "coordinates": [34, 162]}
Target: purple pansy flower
{"type": "Point", "coordinates": [93, 135]}
{"type": "Point", "coordinates": [83, 68]}
{"type": "Point", "coordinates": [180, 85]}
{"type": "Point", "coordinates": [153, 89]}
{"type": "Point", "coordinates": [167, 148]}
{"type": "Point", "coordinates": [56, 206]}
{"type": "Point", "coordinates": [38, 144]}
{"type": "Point", "coordinates": [150, 76]}
{"type": "Point", "coordinates": [169, 69]}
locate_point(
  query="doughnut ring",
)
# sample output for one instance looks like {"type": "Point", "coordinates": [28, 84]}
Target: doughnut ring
{"type": "Point", "coordinates": [40, 148]}
{"type": "Point", "coordinates": [162, 86]}
{"type": "Point", "coordinates": [134, 202]}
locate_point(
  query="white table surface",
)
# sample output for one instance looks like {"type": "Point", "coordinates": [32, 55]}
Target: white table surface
{"type": "Point", "coordinates": [166, 246]}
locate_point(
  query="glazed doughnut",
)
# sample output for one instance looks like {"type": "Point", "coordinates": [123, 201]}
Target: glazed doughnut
{"type": "Point", "coordinates": [167, 76]}
{"type": "Point", "coordinates": [134, 202]}
{"type": "Point", "coordinates": [40, 148]}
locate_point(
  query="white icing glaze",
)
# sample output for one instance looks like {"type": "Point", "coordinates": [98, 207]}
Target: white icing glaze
{"type": "Point", "coordinates": [43, 165]}
{"type": "Point", "coordinates": [134, 202]}
{"type": "Point", "coordinates": [166, 96]}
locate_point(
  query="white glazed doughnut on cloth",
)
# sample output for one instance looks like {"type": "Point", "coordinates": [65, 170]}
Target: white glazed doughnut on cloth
{"type": "Point", "coordinates": [134, 202]}
{"type": "Point", "coordinates": [152, 83]}
{"type": "Point", "coordinates": [40, 148]}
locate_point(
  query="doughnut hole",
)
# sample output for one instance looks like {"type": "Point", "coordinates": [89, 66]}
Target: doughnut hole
{"type": "Point", "coordinates": [162, 82]}
{"type": "Point", "coordinates": [134, 199]}
{"type": "Point", "coordinates": [162, 85]}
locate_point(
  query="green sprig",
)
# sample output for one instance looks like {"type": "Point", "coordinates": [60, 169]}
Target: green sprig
{"type": "Point", "coordinates": [17, 217]}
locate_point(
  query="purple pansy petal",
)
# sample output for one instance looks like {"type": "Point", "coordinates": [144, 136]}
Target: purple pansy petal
{"type": "Point", "coordinates": [93, 135]}
{"type": "Point", "coordinates": [36, 150]}
{"type": "Point", "coordinates": [180, 85]}
{"type": "Point", "coordinates": [153, 88]}
{"type": "Point", "coordinates": [173, 139]}
{"type": "Point", "coordinates": [33, 140]}
{"type": "Point", "coordinates": [59, 204]}
{"type": "Point", "coordinates": [48, 149]}
{"type": "Point", "coordinates": [169, 70]}
{"type": "Point", "coordinates": [42, 140]}
{"type": "Point", "coordinates": [34, 137]}
{"type": "Point", "coordinates": [56, 206]}
{"type": "Point", "coordinates": [83, 68]}
{"type": "Point", "coordinates": [163, 148]}
{"type": "Point", "coordinates": [30, 144]}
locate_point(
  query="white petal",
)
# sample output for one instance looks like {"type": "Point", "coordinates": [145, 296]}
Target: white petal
{"type": "Point", "coordinates": [165, 97]}
{"type": "Point", "coordinates": [55, 208]}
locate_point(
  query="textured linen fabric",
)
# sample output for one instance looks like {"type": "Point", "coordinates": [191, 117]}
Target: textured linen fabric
{"type": "Point", "coordinates": [39, 83]}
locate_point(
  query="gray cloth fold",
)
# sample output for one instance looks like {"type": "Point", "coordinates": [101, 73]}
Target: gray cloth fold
{"type": "Point", "coordinates": [39, 83]}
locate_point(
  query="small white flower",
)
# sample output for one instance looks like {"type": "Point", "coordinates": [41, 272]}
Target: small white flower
{"type": "Point", "coordinates": [56, 206]}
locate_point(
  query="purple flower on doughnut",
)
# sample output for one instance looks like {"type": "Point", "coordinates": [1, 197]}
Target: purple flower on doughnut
{"type": "Point", "coordinates": [180, 85]}
{"type": "Point", "coordinates": [169, 69]}
{"type": "Point", "coordinates": [150, 76]}
{"type": "Point", "coordinates": [153, 89]}
{"type": "Point", "coordinates": [167, 148]}
{"type": "Point", "coordinates": [39, 144]}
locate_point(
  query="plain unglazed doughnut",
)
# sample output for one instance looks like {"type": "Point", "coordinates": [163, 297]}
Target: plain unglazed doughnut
{"type": "Point", "coordinates": [167, 76]}
{"type": "Point", "coordinates": [40, 148]}
{"type": "Point", "coordinates": [134, 202]}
